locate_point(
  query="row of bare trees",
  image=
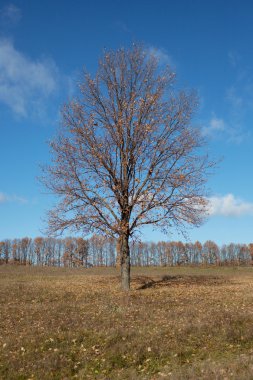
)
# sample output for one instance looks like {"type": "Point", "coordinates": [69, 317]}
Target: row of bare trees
{"type": "Point", "coordinates": [101, 251]}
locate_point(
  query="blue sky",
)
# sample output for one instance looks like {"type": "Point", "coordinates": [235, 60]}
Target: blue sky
{"type": "Point", "coordinates": [45, 44]}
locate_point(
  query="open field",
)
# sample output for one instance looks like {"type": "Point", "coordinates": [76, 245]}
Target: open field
{"type": "Point", "coordinates": [175, 323]}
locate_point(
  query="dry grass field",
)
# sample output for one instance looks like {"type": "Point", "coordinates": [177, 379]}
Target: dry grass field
{"type": "Point", "coordinates": [175, 323]}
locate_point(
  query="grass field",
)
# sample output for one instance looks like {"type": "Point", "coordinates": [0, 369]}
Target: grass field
{"type": "Point", "coordinates": [175, 323]}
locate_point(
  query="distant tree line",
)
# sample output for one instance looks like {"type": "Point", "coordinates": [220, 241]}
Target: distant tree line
{"type": "Point", "coordinates": [101, 251]}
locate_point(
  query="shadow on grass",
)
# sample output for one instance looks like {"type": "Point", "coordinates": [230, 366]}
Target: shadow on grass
{"type": "Point", "coordinates": [144, 282]}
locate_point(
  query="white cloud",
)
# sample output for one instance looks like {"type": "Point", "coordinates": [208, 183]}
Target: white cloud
{"type": "Point", "coordinates": [215, 126]}
{"type": "Point", "coordinates": [230, 132]}
{"type": "Point", "coordinates": [234, 58]}
{"type": "Point", "coordinates": [229, 205]}
{"type": "Point", "coordinates": [240, 111]}
{"type": "Point", "coordinates": [10, 15]}
{"type": "Point", "coordinates": [4, 198]}
{"type": "Point", "coordinates": [235, 127]}
{"type": "Point", "coordinates": [239, 98]}
{"type": "Point", "coordinates": [162, 56]}
{"type": "Point", "coordinates": [234, 98]}
{"type": "Point", "coordinates": [24, 83]}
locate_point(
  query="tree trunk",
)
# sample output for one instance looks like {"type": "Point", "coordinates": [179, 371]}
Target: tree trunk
{"type": "Point", "coordinates": [118, 252]}
{"type": "Point", "coordinates": [125, 263]}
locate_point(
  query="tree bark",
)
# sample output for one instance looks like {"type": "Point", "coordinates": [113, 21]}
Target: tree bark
{"type": "Point", "coordinates": [118, 253]}
{"type": "Point", "coordinates": [125, 263]}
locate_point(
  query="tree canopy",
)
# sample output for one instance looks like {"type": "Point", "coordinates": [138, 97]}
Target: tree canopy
{"type": "Point", "coordinates": [127, 154]}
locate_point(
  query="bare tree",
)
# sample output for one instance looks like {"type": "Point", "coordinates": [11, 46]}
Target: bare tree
{"type": "Point", "coordinates": [126, 155]}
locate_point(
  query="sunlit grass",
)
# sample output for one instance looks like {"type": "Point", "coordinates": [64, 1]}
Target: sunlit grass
{"type": "Point", "coordinates": [178, 323]}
